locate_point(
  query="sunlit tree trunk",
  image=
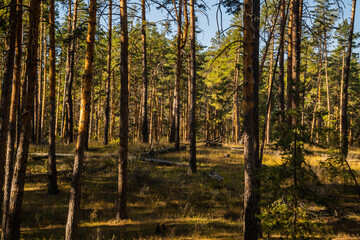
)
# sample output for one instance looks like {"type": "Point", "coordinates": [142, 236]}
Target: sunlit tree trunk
{"type": "Point", "coordinates": [251, 20]}
{"type": "Point", "coordinates": [6, 83]}
{"type": "Point", "coordinates": [12, 222]}
{"type": "Point", "coordinates": [121, 210]}
{"type": "Point", "coordinates": [75, 191]}
{"type": "Point", "coordinates": [9, 166]}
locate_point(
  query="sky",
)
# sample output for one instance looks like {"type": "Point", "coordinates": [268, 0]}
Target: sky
{"type": "Point", "coordinates": [209, 26]}
{"type": "Point", "coordinates": [208, 23]}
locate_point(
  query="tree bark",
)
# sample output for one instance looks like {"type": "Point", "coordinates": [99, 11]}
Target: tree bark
{"type": "Point", "coordinates": [121, 210]}
{"type": "Point", "coordinates": [281, 62]}
{"type": "Point", "coordinates": [251, 118]}
{"type": "Point", "coordinates": [7, 87]}
{"type": "Point", "coordinates": [192, 163]}
{"type": "Point", "coordinates": [52, 172]}
{"type": "Point", "coordinates": [75, 191]}
{"type": "Point", "coordinates": [175, 124]}
{"type": "Point", "coordinates": [12, 222]}
{"type": "Point", "coordinates": [144, 104]}
{"type": "Point", "coordinates": [108, 79]}
{"type": "Point", "coordinates": [9, 166]}
{"type": "Point", "coordinates": [344, 117]}
{"type": "Point", "coordinates": [69, 124]}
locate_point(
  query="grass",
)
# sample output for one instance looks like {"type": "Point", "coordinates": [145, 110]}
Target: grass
{"type": "Point", "coordinates": [189, 206]}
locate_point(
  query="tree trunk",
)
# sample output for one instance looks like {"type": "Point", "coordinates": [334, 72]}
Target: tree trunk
{"type": "Point", "coordinates": [67, 71]}
{"type": "Point", "coordinates": [42, 109]}
{"type": "Point", "coordinates": [344, 118]}
{"type": "Point", "coordinates": [175, 125]}
{"type": "Point", "coordinates": [144, 104]}
{"type": "Point", "coordinates": [11, 224]}
{"type": "Point", "coordinates": [108, 79]}
{"type": "Point", "coordinates": [121, 211]}
{"type": "Point", "coordinates": [58, 95]}
{"type": "Point", "coordinates": [327, 87]}
{"type": "Point", "coordinates": [289, 66]}
{"type": "Point", "coordinates": [236, 107]}
{"type": "Point", "coordinates": [251, 118]}
{"type": "Point", "coordinates": [52, 173]}
{"type": "Point", "coordinates": [192, 163]}
{"type": "Point", "coordinates": [40, 81]}
{"type": "Point", "coordinates": [6, 87]}
{"type": "Point", "coordinates": [9, 166]}
{"type": "Point", "coordinates": [281, 62]}
{"type": "Point", "coordinates": [69, 129]}
{"type": "Point", "coordinates": [75, 191]}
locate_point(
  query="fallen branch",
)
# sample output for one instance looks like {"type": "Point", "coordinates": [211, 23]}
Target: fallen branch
{"type": "Point", "coordinates": [163, 162]}
{"type": "Point", "coordinates": [162, 151]}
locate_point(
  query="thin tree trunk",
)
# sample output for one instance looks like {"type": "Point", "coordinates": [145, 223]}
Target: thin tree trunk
{"type": "Point", "coordinates": [251, 118]}
{"type": "Point", "coordinates": [12, 222]}
{"type": "Point", "coordinates": [289, 65]}
{"type": "Point", "coordinates": [69, 35]}
{"type": "Point", "coordinates": [52, 173]}
{"type": "Point", "coordinates": [39, 89]}
{"type": "Point", "coordinates": [9, 166]}
{"type": "Point", "coordinates": [75, 191]}
{"type": "Point", "coordinates": [58, 96]}
{"type": "Point", "coordinates": [327, 87]}
{"type": "Point", "coordinates": [121, 210]}
{"type": "Point", "coordinates": [236, 107]}
{"type": "Point", "coordinates": [281, 62]}
{"type": "Point", "coordinates": [42, 109]}
{"type": "Point", "coordinates": [341, 93]}
{"type": "Point", "coordinates": [270, 80]}
{"type": "Point", "coordinates": [108, 80]}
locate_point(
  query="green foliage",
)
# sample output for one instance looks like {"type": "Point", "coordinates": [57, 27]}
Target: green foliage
{"type": "Point", "coordinates": [278, 217]}
{"type": "Point", "coordinates": [335, 168]}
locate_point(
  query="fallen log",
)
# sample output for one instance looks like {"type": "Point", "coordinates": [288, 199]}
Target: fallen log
{"type": "Point", "coordinates": [163, 162]}
{"type": "Point", "coordinates": [213, 144]}
{"type": "Point", "coordinates": [214, 175]}
{"type": "Point", "coordinates": [162, 151]}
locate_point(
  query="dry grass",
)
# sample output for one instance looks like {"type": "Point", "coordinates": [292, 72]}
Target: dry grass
{"type": "Point", "coordinates": [189, 206]}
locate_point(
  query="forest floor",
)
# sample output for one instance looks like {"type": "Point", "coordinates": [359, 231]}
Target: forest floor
{"type": "Point", "coordinates": [184, 206]}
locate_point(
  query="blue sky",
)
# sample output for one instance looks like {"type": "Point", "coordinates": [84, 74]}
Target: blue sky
{"type": "Point", "coordinates": [208, 24]}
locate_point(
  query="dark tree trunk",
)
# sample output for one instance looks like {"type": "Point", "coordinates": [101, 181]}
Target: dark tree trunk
{"type": "Point", "coordinates": [281, 62]}
{"type": "Point", "coordinates": [144, 104]}
{"type": "Point", "coordinates": [251, 118]}
{"type": "Point", "coordinates": [52, 173]}
{"type": "Point", "coordinates": [75, 191]}
{"type": "Point", "coordinates": [121, 211]}
{"type": "Point", "coordinates": [6, 88]}
{"type": "Point", "coordinates": [12, 222]}
{"type": "Point", "coordinates": [344, 115]}
{"type": "Point", "coordinates": [192, 164]}
{"type": "Point", "coordinates": [175, 121]}
{"type": "Point", "coordinates": [108, 79]}
{"type": "Point", "coordinates": [9, 166]}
